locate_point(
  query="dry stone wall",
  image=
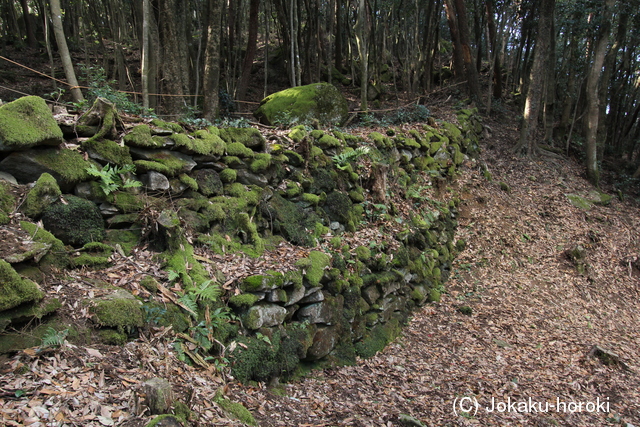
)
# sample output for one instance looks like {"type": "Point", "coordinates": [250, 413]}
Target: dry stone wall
{"type": "Point", "coordinates": [237, 190]}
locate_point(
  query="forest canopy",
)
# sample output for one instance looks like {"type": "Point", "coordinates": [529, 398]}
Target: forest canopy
{"type": "Point", "coordinates": [570, 66]}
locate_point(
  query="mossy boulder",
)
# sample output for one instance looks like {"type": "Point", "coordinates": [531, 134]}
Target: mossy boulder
{"type": "Point", "coordinates": [14, 289]}
{"type": "Point", "coordinates": [27, 122]}
{"type": "Point", "coordinates": [76, 221]}
{"type": "Point", "coordinates": [119, 310]}
{"type": "Point", "coordinates": [107, 151]}
{"type": "Point", "coordinates": [209, 182]}
{"type": "Point", "coordinates": [67, 166]}
{"type": "Point", "coordinates": [290, 220]}
{"type": "Point", "coordinates": [305, 104]}
{"type": "Point", "coordinates": [140, 136]}
{"type": "Point", "coordinates": [57, 257]}
{"type": "Point", "coordinates": [169, 163]}
{"type": "Point", "coordinates": [45, 192]}
{"type": "Point", "coordinates": [249, 137]}
{"type": "Point", "coordinates": [7, 202]}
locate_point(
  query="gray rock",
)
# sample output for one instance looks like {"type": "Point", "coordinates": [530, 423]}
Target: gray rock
{"type": "Point", "coordinates": [159, 395]}
{"type": "Point", "coordinates": [295, 294]}
{"type": "Point", "coordinates": [155, 181]}
{"type": "Point", "coordinates": [27, 113]}
{"type": "Point", "coordinates": [142, 154]}
{"type": "Point", "coordinates": [312, 295]}
{"type": "Point", "coordinates": [389, 288]}
{"type": "Point", "coordinates": [264, 315]}
{"type": "Point", "coordinates": [8, 177]}
{"type": "Point", "coordinates": [107, 209]}
{"type": "Point", "coordinates": [319, 312]}
{"type": "Point", "coordinates": [247, 178]}
{"type": "Point", "coordinates": [371, 294]}
{"type": "Point", "coordinates": [324, 341]}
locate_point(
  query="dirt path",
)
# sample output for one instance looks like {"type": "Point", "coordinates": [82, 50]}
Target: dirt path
{"type": "Point", "coordinates": [526, 348]}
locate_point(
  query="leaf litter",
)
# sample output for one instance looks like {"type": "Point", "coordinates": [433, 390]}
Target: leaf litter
{"type": "Point", "coordinates": [517, 325]}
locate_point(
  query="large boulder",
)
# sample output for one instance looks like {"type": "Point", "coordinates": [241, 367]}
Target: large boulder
{"type": "Point", "coordinates": [304, 104]}
{"type": "Point", "coordinates": [75, 221]}
{"type": "Point", "coordinates": [27, 122]}
{"type": "Point", "coordinates": [68, 167]}
{"type": "Point", "coordinates": [15, 290]}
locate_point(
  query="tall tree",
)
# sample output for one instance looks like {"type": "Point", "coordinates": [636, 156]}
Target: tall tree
{"type": "Point", "coordinates": [252, 43]}
{"type": "Point", "coordinates": [63, 49]}
{"type": "Point", "coordinates": [527, 141]}
{"type": "Point", "coordinates": [593, 96]}
{"type": "Point", "coordinates": [211, 78]}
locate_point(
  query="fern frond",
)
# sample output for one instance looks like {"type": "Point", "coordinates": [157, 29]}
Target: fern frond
{"type": "Point", "coordinates": [208, 291]}
{"type": "Point", "coordinates": [189, 303]}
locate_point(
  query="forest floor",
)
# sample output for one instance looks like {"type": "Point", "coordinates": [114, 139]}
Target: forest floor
{"type": "Point", "coordinates": [519, 330]}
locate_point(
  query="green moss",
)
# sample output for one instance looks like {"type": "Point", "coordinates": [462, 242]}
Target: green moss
{"type": "Point", "coordinates": [298, 133]}
{"type": "Point", "coordinates": [228, 175]}
{"type": "Point", "coordinates": [173, 127]}
{"type": "Point", "coordinates": [67, 166]}
{"type": "Point", "coordinates": [207, 143]}
{"type": "Point", "coordinates": [249, 137]}
{"type": "Point", "coordinates": [44, 192]}
{"type": "Point", "coordinates": [303, 104]}
{"type": "Point", "coordinates": [235, 409]}
{"type": "Point", "coordinates": [76, 222]}
{"type": "Point", "coordinates": [250, 228]}
{"type": "Point", "coordinates": [128, 202]}
{"type": "Point", "coordinates": [434, 295]}
{"type": "Point", "coordinates": [107, 151]}
{"type": "Point", "coordinates": [182, 261]}
{"type": "Point", "coordinates": [363, 253]}
{"type": "Point", "coordinates": [163, 162]}
{"type": "Point", "coordinates": [27, 122]}
{"type": "Point", "coordinates": [262, 282]}
{"type": "Point", "coordinates": [7, 202]}
{"type": "Point", "coordinates": [579, 202]}
{"type": "Point", "coordinates": [328, 141]}
{"type": "Point", "coordinates": [261, 163]}
{"type": "Point", "coordinates": [238, 149]}
{"type": "Point", "coordinates": [243, 300]}
{"type": "Point", "coordinates": [188, 181]}
{"type": "Point", "coordinates": [290, 220]}
{"type": "Point", "coordinates": [119, 310]}
{"type": "Point", "coordinates": [15, 289]}
{"type": "Point", "coordinates": [338, 206]}
{"type": "Point", "coordinates": [140, 136]}
{"type": "Point", "coordinates": [57, 256]}
{"type": "Point", "coordinates": [250, 194]}
{"type": "Point", "coordinates": [96, 255]}
{"type": "Point", "coordinates": [126, 239]}
{"type": "Point", "coordinates": [150, 283]}
{"type": "Point", "coordinates": [112, 337]}
{"type": "Point", "coordinates": [377, 338]}
{"type": "Point", "coordinates": [313, 266]}
{"type": "Point", "coordinates": [357, 195]}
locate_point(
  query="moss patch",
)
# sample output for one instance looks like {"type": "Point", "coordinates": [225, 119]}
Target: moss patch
{"type": "Point", "coordinates": [118, 310]}
{"type": "Point", "coordinates": [76, 223]}
{"type": "Point", "coordinates": [27, 122]}
{"type": "Point", "coordinates": [140, 136]}
{"type": "Point", "coordinates": [45, 192]}
{"type": "Point", "coordinates": [15, 289]}
{"type": "Point", "coordinates": [7, 203]}
{"type": "Point", "coordinates": [303, 104]}
{"type": "Point", "coordinates": [57, 256]}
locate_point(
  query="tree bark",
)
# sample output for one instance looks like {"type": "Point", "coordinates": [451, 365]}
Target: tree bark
{"type": "Point", "coordinates": [211, 76]}
{"type": "Point", "coordinates": [145, 54]}
{"type": "Point", "coordinates": [252, 43]}
{"type": "Point", "coordinates": [527, 141]}
{"type": "Point", "coordinates": [454, 29]}
{"type": "Point", "coordinates": [363, 51]}
{"type": "Point", "coordinates": [593, 98]}
{"type": "Point", "coordinates": [67, 63]}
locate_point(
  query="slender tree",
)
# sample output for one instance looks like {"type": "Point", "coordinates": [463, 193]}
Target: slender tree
{"type": "Point", "coordinates": [211, 77]}
{"type": "Point", "coordinates": [527, 142]}
{"type": "Point", "coordinates": [63, 49]}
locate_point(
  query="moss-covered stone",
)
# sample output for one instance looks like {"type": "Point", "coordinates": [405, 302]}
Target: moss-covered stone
{"type": "Point", "coordinates": [303, 104]}
{"type": "Point", "coordinates": [7, 202]}
{"type": "Point", "coordinates": [107, 151]}
{"type": "Point", "coordinates": [261, 163]}
{"type": "Point", "coordinates": [228, 176]}
{"type": "Point", "coordinates": [238, 149]}
{"type": "Point", "coordinates": [28, 122]}
{"type": "Point", "coordinates": [75, 222]}
{"type": "Point", "coordinates": [112, 337]}
{"type": "Point", "coordinates": [290, 220]}
{"type": "Point", "coordinates": [140, 136]}
{"type": "Point", "coordinates": [118, 310]}
{"type": "Point", "coordinates": [262, 282]}
{"type": "Point", "coordinates": [313, 266]}
{"type": "Point", "coordinates": [44, 192]}
{"type": "Point", "coordinates": [164, 162]}
{"type": "Point", "coordinates": [95, 254]}
{"type": "Point", "coordinates": [15, 289]}
{"type": "Point", "coordinates": [235, 409]}
{"type": "Point", "coordinates": [68, 167]}
{"type": "Point", "coordinates": [363, 253]}
{"type": "Point", "coordinates": [57, 256]}
{"type": "Point", "coordinates": [243, 300]}
{"type": "Point", "coordinates": [377, 338]}
{"type": "Point", "coordinates": [249, 137]}
{"type": "Point", "coordinates": [173, 127]}
{"type": "Point", "coordinates": [297, 133]}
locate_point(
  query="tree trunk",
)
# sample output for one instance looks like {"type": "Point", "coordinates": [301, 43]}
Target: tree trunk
{"type": "Point", "coordinates": [593, 98]}
{"type": "Point", "coordinates": [145, 54]}
{"type": "Point", "coordinates": [28, 24]}
{"type": "Point", "coordinates": [454, 29]}
{"type": "Point", "coordinates": [361, 41]}
{"type": "Point", "coordinates": [67, 63]}
{"type": "Point", "coordinates": [527, 141]}
{"type": "Point", "coordinates": [252, 43]}
{"type": "Point", "coordinates": [212, 61]}
{"type": "Point", "coordinates": [175, 59]}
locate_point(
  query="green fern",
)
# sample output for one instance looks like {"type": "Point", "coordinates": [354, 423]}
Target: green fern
{"type": "Point", "coordinates": [343, 159]}
{"type": "Point", "coordinates": [111, 177]}
{"type": "Point", "coordinates": [208, 291]}
{"type": "Point", "coordinates": [53, 338]}
{"type": "Point", "coordinates": [189, 301]}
